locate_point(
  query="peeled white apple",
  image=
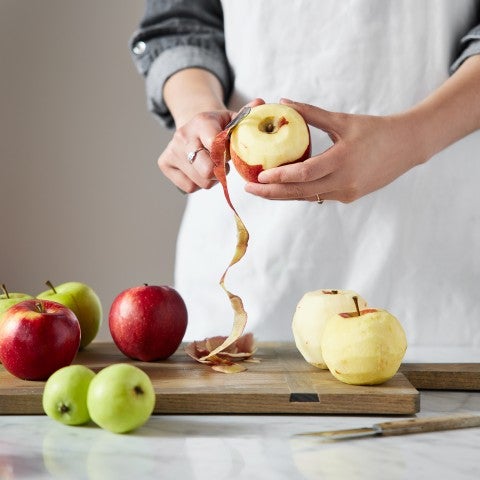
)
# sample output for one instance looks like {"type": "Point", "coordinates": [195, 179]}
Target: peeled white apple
{"type": "Point", "coordinates": [364, 347]}
{"type": "Point", "coordinates": [310, 318]}
{"type": "Point", "coordinates": [270, 135]}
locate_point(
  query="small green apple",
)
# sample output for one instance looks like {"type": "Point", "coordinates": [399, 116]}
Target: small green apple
{"type": "Point", "coordinates": [83, 301]}
{"type": "Point", "coordinates": [65, 395]}
{"type": "Point", "coordinates": [121, 398]}
{"type": "Point", "coordinates": [8, 299]}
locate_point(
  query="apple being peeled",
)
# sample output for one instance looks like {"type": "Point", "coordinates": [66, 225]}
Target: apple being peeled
{"type": "Point", "coordinates": [83, 301]}
{"type": "Point", "coordinates": [8, 299]}
{"type": "Point", "coordinates": [311, 316]}
{"type": "Point", "coordinates": [120, 398]}
{"type": "Point", "coordinates": [364, 347]}
{"type": "Point", "coordinates": [37, 337]}
{"type": "Point", "coordinates": [65, 395]}
{"type": "Point", "coordinates": [148, 322]}
{"type": "Point", "coordinates": [269, 136]}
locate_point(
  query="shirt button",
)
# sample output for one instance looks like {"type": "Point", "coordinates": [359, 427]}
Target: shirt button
{"type": "Point", "coordinates": [139, 48]}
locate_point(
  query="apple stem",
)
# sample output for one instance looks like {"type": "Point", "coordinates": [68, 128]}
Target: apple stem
{"type": "Point", "coordinates": [4, 288]}
{"type": "Point", "coordinates": [145, 284]}
{"type": "Point", "coordinates": [40, 307]}
{"type": "Point", "coordinates": [334, 292]}
{"type": "Point", "coordinates": [355, 300]}
{"type": "Point", "coordinates": [138, 390]}
{"type": "Point", "coordinates": [48, 283]}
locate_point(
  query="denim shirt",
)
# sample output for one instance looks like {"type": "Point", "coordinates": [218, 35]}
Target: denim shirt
{"type": "Point", "coordinates": [178, 34]}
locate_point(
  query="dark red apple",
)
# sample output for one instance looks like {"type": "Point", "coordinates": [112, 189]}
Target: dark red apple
{"type": "Point", "coordinates": [37, 337]}
{"type": "Point", "coordinates": [148, 322]}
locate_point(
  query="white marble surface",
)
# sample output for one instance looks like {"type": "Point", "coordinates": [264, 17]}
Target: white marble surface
{"type": "Point", "coordinates": [241, 447]}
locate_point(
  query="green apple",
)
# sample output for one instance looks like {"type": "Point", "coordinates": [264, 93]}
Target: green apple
{"type": "Point", "coordinates": [8, 299]}
{"type": "Point", "coordinates": [84, 303]}
{"type": "Point", "coordinates": [121, 398]}
{"type": "Point", "coordinates": [65, 395]}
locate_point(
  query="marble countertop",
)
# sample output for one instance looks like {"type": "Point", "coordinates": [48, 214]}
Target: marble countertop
{"type": "Point", "coordinates": [241, 447]}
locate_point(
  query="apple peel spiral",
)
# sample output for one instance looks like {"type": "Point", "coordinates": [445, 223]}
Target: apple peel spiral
{"type": "Point", "coordinates": [219, 153]}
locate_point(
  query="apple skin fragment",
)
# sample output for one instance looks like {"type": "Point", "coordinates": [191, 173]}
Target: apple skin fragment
{"type": "Point", "coordinates": [225, 361]}
{"type": "Point", "coordinates": [233, 368]}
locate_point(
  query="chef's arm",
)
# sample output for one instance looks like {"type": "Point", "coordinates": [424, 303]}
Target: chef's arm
{"type": "Point", "coordinates": [469, 45]}
{"type": "Point", "coordinates": [369, 152]}
{"type": "Point", "coordinates": [179, 48]}
{"type": "Point", "coordinates": [192, 91]}
{"type": "Point", "coordinates": [452, 111]}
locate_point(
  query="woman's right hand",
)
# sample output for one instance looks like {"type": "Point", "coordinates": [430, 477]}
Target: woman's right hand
{"type": "Point", "coordinates": [197, 133]}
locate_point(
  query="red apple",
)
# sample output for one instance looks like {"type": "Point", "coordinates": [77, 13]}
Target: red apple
{"type": "Point", "coordinates": [270, 135]}
{"type": "Point", "coordinates": [37, 337]}
{"type": "Point", "coordinates": [148, 322]}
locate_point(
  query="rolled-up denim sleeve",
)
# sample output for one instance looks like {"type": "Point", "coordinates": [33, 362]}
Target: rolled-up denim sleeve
{"type": "Point", "coordinates": [470, 45]}
{"type": "Point", "coordinates": [174, 35]}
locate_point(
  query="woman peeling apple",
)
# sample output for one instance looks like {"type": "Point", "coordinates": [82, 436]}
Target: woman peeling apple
{"type": "Point", "coordinates": [390, 91]}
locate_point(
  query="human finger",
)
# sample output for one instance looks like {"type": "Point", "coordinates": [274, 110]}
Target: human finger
{"type": "Point", "coordinates": [330, 122]}
{"type": "Point", "coordinates": [292, 191]}
{"type": "Point", "coordinates": [311, 169]}
{"type": "Point", "coordinates": [255, 102]}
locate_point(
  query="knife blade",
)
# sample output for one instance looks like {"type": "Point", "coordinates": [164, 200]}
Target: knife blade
{"type": "Point", "coordinates": [402, 427]}
{"type": "Point", "coordinates": [238, 118]}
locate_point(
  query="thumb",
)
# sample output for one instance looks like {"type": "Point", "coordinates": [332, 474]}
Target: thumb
{"type": "Point", "coordinates": [325, 120]}
{"type": "Point", "coordinates": [255, 102]}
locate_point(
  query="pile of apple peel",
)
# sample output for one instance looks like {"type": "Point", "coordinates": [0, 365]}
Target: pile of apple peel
{"type": "Point", "coordinates": [225, 361]}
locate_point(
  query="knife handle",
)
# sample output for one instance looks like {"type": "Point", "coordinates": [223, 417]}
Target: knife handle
{"type": "Point", "coordinates": [429, 424]}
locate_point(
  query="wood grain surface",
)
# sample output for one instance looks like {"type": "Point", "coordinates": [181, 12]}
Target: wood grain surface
{"type": "Point", "coordinates": [443, 376]}
{"type": "Point", "coordinates": [281, 383]}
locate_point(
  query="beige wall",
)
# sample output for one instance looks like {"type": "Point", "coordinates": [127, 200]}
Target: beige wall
{"type": "Point", "coordinates": [81, 197]}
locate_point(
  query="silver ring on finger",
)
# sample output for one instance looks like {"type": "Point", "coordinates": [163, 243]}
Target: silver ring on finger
{"type": "Point", "coordinates": [191, 156]}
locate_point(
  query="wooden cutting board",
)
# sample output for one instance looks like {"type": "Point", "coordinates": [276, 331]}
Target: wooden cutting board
{"type": "Point", "coordinates": [443, 376]}
{"type": "Point", "coordinates": [281, 383]}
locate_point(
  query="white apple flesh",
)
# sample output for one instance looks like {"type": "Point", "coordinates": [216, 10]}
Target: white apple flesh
{"type": "Point", "coordinates": [269, 136]}
{"type": "Point", "coordinates": [364, 347]}
{"type": "Point", "coordinates": [311, 316]}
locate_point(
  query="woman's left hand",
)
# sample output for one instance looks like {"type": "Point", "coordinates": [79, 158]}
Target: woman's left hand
{"type": "Point", "coordinates": [368, 152]}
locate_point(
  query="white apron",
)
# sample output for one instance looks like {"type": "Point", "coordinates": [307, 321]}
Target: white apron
{"type": "Point", "coordinates": [412, 247]}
